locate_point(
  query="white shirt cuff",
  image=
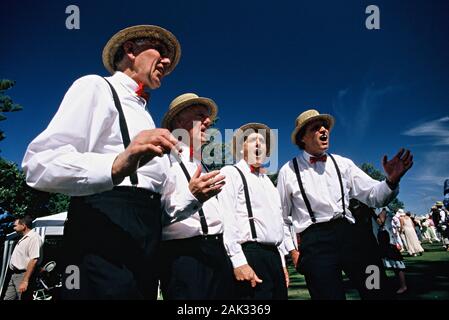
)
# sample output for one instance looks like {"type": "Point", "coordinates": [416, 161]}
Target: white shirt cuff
{"type": "Point", "coordinates": [289, 245]}
{"type": "Point", "coordinates": [100, 174]}
{"type": "Point", "coordinates": [192, 203]}
{"type": "Point", "coordinates": [238, 260]}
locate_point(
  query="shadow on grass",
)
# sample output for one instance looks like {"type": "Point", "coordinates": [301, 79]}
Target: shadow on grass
{"type": "Point", "coordinates": [427, 278]}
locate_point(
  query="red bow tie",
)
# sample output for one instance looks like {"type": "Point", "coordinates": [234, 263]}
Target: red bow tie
{"type": "Point", "coordinates": [322, 158]}
{"type": "Point", "coordinates": [140, 91]}
{"type": "Point", "coordinates": [254, 169]}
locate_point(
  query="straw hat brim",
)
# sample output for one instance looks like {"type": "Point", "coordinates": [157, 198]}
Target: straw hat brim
{"type": "Point", "coordinates": [142, 31]}
{"type": "Point", "coordinates": [327, 117]}
{"type": "Point", "coordinates": [171, 113]}
{"type": "Point", "coordinates": [255, 126]}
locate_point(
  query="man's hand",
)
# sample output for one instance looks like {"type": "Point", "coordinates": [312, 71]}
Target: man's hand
{"type": "Point", "coordinates": [294, 254]}
{"type": "Point", "coordinates": [397, 166]}
{"type": "Point", "coordinates": [23, 287]}
{"type": "Point", "coordinates": [144, 147]}
{"type": "Point", "coordinates": [287, 277]}
{"type": "Point", "coordinates": [206, 186]}
{"type": "Point", "coordinates": [246, 273]}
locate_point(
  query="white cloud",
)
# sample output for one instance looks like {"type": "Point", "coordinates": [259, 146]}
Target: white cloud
{"type": "Point", "coordinates": [438, 130]}
{"type": "Point", "coordinates": [353, 104]}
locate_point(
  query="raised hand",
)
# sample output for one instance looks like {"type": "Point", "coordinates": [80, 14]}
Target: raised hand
{"type": "Point", "coordinates": [206, 186]}
{"type": "Point", "coordinates": [144, 147]}
{"type": "Point", "coordinates": [397, 166]}
{"type": "Point", "coordinates": [246, 273]}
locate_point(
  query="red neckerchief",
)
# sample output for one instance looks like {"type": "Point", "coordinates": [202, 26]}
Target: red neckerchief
{"type": "Point", "coordinates": [254, 169]}
{"type": "Point", "coordinates": [140, 91]}
{"type": "Point", "coordinates": [191, 153]}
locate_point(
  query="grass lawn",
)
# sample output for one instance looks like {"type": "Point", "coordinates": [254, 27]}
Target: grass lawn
{"type": "Point", "coordinates": [427, 278]}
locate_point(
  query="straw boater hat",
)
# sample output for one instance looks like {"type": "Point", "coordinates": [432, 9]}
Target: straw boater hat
{"type": "Point", "coordinates": [439, 204]}
{"type": "Point", "coordinates": [184, 101]}
{"type": "Point", "coordinates": [142, 31]}
{"type": "Point", "coordinates": [255, 127]}
{"type": "Point", "coordinates": [307, 116]}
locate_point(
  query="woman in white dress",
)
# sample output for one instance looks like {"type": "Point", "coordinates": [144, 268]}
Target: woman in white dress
{"type": "Point", "coordinates": [408, 229]}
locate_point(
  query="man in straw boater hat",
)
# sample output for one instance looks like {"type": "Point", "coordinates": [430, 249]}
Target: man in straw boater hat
{"type": "Point", "coordinates": [315, 188]}
{"type": "Point", "coordinates": [103, 149]}
{"type": "Point", "coordinates": [253, 225]}
{"type": "Point", "coordinates": [194, 263]}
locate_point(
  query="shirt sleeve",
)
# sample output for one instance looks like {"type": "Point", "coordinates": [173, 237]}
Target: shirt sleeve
{"type": "Point", "coordinates": [286, 204]}
{"type": "Point", "coordinates": [227, 199]}
{"type": "Point", "coordinates": [373, 193]}
{"type": "Point", "coordinates": [61, 159]}
{"type": "Point", "coordinates": [34, 249]}
{"type": "Point", "coordinates": [177, 201]}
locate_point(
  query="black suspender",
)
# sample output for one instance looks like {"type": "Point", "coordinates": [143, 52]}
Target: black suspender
{"type": "Point", "coordinates": [123, 128]}
{"type": "Point", "coordinates": [341, 183]}
{"type": "Point", "coordinates": [303, 193]}
{"type": "Point", "coordinates": [203, 222]}
{"type": "Point", "coordinates": [204, 166]}
{"type": "Point", "coordinates": [248, 205]}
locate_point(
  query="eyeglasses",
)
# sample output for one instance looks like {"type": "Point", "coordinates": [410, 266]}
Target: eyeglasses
{"type": "Point", "coordinates": [315, 126]}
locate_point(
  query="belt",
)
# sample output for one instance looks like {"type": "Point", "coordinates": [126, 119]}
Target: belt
{"type": "Point", "coordinates": [17, 271]}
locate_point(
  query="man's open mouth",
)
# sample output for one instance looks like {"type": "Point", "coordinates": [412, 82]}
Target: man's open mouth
{"type": "Point", "coordinates": [323, 137]}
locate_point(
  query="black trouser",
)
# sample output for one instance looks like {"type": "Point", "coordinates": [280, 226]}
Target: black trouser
{"type": "Point", "coordinates": [329, 248]}
{"type": "Point", "coordinates": [196, 268]}
{"type": "Point", "coordinates": [112, 238]}
{"type": "Point", "coordinates": [266, 263]}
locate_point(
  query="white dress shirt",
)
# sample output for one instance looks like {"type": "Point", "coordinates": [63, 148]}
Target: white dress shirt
{"type": "Point", "coordinates": [322, 187]}
{"type": "Point", "coordinates": [266, 207]}
{"type": "Point", "coordinates": [187, 225]}
{"type": "Point", "coordinates": [75, 153]}
{"type": "Point", "coordinates": [27, 248]}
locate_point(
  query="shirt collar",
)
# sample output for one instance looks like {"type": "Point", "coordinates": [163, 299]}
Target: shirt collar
{"type": "Point", "coordinates": [244, 166]}
{"type": "Point", "coordinates": [129, 84]}
{"type": "Point", "coordinates": [28, 235]}
{"type": "Point", "coordinates": [307, 156]}
{"type": "Point", "coordinates": [126, 81]}
{"type": "Point", "coordinates": [185, 154]}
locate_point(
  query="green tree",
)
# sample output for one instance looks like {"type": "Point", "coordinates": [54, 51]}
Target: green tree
{"type": "Point", "coordinates": [18, 198]}
{"type": "Point", "coordinates": [374, 173]}
{"type": "Point", "coordinates": [6, 103]}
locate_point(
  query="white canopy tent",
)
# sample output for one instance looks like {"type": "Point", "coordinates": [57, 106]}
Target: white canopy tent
{"type": "Point", "coordinates": [52, 225]}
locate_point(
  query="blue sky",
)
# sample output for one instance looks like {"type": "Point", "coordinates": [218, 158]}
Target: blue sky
{"type": "Point", "coordinates": [260, 61]}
